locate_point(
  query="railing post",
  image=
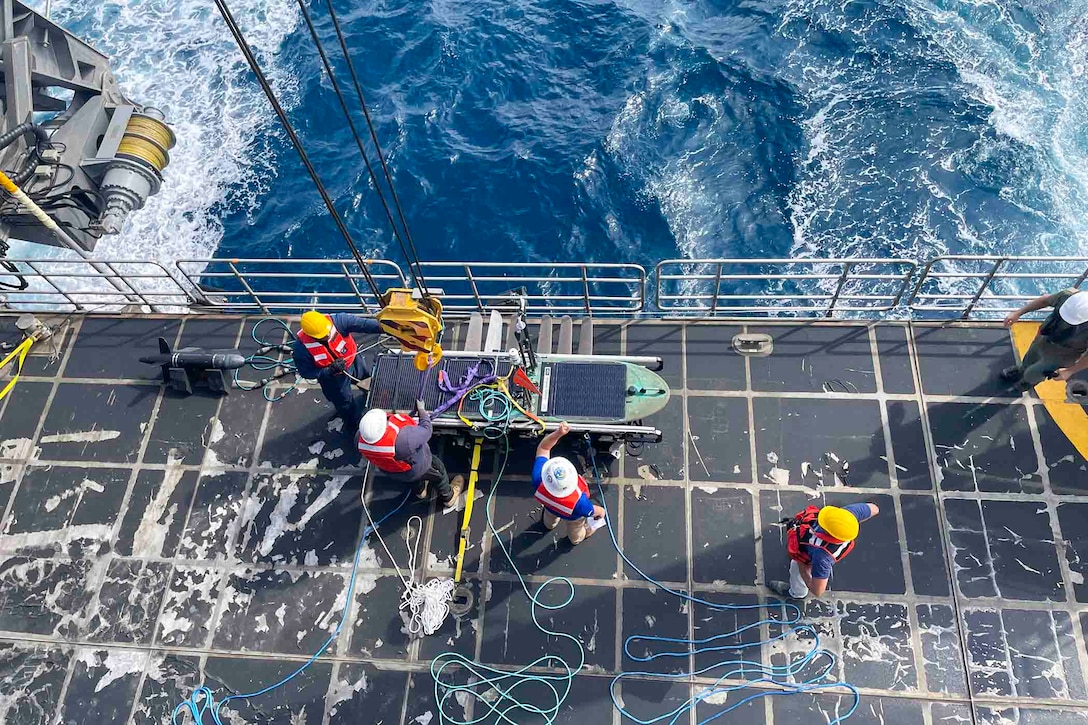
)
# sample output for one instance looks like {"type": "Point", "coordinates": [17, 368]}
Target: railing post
{"type": "Point", "coordinates": [354, 287]}
{"type": "Point", "coordinates": [61, 292]}
{"type": "Point", "coordinates": [846, 267]}
{"type": "Point", "coordinates": [903, 287]}
{"type": "Point", "coordinates": [248, 289]}
{"type": "Point", "coordinates": [475, 290]}
{"type": "Point", "coordinates": [717, 290]}
{"type": "Point", "coordinates": [585, 291]}
{"type": "Point", "coordinates": [982, 288]}
{"type": "Point", "coordinates": [193, 293]}
{"type": "Point", "coordinates": [139, 295]}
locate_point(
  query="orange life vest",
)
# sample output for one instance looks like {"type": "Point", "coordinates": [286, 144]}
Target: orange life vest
{"type": "Point", "coordinates": [801, 530]}
{"type": "Point", "coordinates": [383, 454]}
{"type": "Point", "coordinates": [562, 505]}
{"type": "Point", "coordinates": [341, 347]}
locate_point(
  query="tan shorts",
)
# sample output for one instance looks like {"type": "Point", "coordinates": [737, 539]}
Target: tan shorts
{"type": "Point", "coordinates": [577, 529]}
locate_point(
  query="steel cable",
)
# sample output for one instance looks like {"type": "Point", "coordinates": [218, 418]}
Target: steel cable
{"type": "Point", "coordinates": [240, 39]}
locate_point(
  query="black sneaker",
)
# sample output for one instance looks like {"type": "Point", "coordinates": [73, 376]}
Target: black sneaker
{"type": "Point", "coordinates": [782, 589]}
{"type": "Point", "coordinates": [1012, 374]}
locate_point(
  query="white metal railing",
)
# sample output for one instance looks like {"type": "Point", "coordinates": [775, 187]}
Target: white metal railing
{"type": "Point", "coordinates": [563, 287]}
{"type": "Point", "coordinates": [288, 285]}
{"type": "Point", "coordinates": [951, 286]}
{"type": "Point", "coordinates": [788, 287]}
{"type": "Point", "coordinates": [80, 285]}
{"type": "Point", "coordinates": [978, 286]}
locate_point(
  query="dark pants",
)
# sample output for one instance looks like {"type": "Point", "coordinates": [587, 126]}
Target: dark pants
{"type": "Point", "coordinates": [438, 477]}
{"type": "Point", "coordinates": [1042, 359]}
{"type": "Point", "coordinates": [338, 391]}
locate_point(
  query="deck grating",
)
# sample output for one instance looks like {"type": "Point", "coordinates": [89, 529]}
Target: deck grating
{"type": "Point", "coordinates": [149, 542]}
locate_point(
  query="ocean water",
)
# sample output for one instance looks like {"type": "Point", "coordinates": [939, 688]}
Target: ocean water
{"type": "Point", "coordinates": [620, 130]}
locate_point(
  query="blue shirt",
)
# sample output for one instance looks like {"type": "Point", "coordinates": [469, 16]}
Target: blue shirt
{"type": "Point", "coordinates": [822, 563]}
{"type": "Point", "coordinates": [582, 509]}
{"type": "Point", "coordinates": [345, 324]}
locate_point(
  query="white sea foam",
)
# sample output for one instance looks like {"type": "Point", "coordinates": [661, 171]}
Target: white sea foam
{"type": "Point", "coordinates": [1024, 66]}
{"type": "Point", "coordinates": [179, 56]}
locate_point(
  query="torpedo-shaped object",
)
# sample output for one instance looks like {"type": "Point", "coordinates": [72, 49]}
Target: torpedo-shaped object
{"type": "Point", "coordinates": [194, 357]}
{"type": "Point", "coordinates": [181, 369]}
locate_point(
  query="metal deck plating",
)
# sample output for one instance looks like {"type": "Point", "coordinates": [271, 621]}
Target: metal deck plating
{"type": "Point", "coordinates": [150, 541]}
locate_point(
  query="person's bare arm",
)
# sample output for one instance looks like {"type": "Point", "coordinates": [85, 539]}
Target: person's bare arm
{"type": "Point", "coordinates": [816, 587]}
{"type": "Point", "coordinates": [549, 441]}
{"type": "Point", "coordinates": [873, 510]}
{"type": "Point", "coordinates": [1036, 304]}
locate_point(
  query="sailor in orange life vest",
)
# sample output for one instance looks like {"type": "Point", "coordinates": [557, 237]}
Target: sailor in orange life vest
{"type": "Point", "coordinates": [400, 447]}
{"type": "Point", "coordinates": [562, 490]}
{"type": "Point", "coordinates": [325, 350]}
{"type": "Point", "coordinates": [816, 539]}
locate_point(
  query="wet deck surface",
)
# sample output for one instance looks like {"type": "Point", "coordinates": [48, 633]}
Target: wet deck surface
{"type": "Point", "coordinates": [150, 542]}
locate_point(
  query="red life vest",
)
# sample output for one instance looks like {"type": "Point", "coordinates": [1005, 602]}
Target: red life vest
{"type": "Point", "coordinates": [341, 347]}
{"type": "Point", "coordinates": [383, 454]}
{"type": "Point", "coordinates": [801, 530]}
{"type": "Point", "coordinates": [562, 505]}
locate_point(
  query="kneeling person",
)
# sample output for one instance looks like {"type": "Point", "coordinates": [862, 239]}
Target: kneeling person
{"type": "Point", "coordinates": [817, 539]}
{"type": "Point", "coordinates": [563, 492]}
{"type": "Point", "coordinates": [399, 446]}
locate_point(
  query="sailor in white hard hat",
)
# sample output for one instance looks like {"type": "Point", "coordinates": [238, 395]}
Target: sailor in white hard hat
{"type": "Point", "coordinates": [399, 446]}
{"type": "Point", "coordinates": [1060, 350]}
{"type": "Point", "coordinates": [562, 491]}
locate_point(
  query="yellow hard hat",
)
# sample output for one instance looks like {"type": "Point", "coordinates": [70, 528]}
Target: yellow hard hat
{"type": "Point", "coordinates": [838, 522]}
{"type": "Point", "coordinates": [316, 324]}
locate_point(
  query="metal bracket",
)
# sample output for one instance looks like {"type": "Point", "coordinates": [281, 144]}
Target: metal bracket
{"type": "Point", "coordinates": [753, 344]}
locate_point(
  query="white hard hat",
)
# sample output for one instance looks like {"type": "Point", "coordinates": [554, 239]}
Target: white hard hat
{"type": "Point", "coordinates": [1075, 309]}
{"type": "Point", "coordinates": [372, 426]}
{"type": "Point", "coordinates": [560, 476]}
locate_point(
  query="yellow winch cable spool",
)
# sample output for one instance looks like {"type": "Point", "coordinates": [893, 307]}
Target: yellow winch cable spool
{"type": "Point", "coordinates": [19, 352]}
{"type": "Point", "coordinates": [147, 139]}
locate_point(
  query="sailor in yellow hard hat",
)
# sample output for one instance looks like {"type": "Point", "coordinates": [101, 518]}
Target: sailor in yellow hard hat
{"type": "Point", "coordinates": [816, 539]}
{"type": "Point", "coordinates": [325, 350]}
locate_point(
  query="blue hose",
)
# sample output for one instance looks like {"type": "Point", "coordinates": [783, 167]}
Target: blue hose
{"type": "Point", "coordinates": [456, 675]}
{"type": "Point", "coordinates": [203, 701]}
{"type": "Point", "coordinates": [771, 674]}
{"type": "Point", "coordinates": [262, 363]}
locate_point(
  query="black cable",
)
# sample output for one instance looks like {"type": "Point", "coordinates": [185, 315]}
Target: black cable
{"type": "Point", "coordinates": [414, 257]}
{"type": "Point", "coordinates": [22, 283]}
{"type": "Point", "coordinates": [354, 132]}
{"type": "Point", "coordinates": [239, 38]}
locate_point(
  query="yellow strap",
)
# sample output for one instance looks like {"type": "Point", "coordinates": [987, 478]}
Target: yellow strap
{"type": "Point", "coordinates": [20, 351]}
{"type": "Point", "coordinates": [470, 493]}
{"type": "Point", "coordinates": [1070, 417]}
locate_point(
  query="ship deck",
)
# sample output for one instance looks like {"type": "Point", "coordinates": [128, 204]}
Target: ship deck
{"type": "Point", "coordinates": [151, 542]}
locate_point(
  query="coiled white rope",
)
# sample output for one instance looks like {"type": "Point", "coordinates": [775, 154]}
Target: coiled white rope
{"type": "Point", "coordinates": [428, 603]}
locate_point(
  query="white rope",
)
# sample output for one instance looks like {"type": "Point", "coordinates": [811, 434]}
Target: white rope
{"type": "Point", "coordinates": [428, 604]}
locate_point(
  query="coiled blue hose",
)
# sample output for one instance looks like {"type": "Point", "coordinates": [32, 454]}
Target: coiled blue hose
{"type": "Point", "coordinates": [771, 674]}
{"type": "Point", "coordinates": [496, 691]}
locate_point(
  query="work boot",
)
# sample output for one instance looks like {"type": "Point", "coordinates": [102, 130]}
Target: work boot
{"type": "Point", "coordinates": [457, 485]}
{"type": "Point", "coordinates": [1011, 374]}
{"type": "Point", "coordinates": [782, 589]}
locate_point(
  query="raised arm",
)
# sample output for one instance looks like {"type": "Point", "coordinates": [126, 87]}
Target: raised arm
{"type": "Point", "coordinates": [347, 323]}
{"type": "Point", "coordinates": [549, 441]}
